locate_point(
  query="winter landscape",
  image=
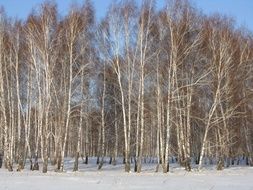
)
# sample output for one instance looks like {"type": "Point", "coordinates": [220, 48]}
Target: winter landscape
{"type": "Point", "coordinates": [150, 95]}
{"type": "Point", "coordinates": [113, 177]}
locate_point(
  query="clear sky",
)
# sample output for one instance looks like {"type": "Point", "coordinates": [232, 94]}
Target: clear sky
{"type": "Point", "coordinates": [241, 10]}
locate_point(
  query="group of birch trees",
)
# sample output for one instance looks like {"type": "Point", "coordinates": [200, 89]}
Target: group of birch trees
{"type": "Point", "coordinates": [145, 85]}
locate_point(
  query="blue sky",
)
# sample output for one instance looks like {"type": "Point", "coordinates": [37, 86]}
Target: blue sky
{"type": "Point", "coordinates": [241, 10]}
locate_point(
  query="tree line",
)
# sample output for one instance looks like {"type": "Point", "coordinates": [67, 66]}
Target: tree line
{"type": "Point", "coordinates": [168, 85]}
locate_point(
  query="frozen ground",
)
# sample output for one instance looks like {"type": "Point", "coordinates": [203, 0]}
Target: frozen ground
{"type": "Point", "coordinates": [114, 178]}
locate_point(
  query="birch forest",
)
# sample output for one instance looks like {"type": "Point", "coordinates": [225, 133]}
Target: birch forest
{"type": "Point", "coordinates": [140, 85]}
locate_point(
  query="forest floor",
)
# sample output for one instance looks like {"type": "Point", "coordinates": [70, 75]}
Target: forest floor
{"type": "Point", "coordinates": [114, 178]}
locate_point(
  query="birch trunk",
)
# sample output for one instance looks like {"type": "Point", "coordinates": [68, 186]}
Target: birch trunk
{"type": "Point", "coordinates": [102, 151]}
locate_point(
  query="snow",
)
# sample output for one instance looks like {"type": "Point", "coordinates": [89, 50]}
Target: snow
{"type": "Point", "coordinates": [114, 178]}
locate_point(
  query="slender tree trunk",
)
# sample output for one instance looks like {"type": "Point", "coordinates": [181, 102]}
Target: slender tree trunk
{"type": "Point", "coordinates": [69, 95]}
{"type": "Point", "coordinates": [139, 165]}
{"type": "Point", "coordinates": [116, 136]}
{"type": "Point", "coordinates": [6, 144]}
{"type": "Point", "coordinates": [78, 149]}
{"type": "Point", "coordinates": [102, 152]}
{"type": "Point", "coordinates": [159, 118]}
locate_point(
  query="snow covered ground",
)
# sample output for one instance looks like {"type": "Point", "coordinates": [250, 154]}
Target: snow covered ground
{"type": "Point", "coordinates": [114, 177]}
